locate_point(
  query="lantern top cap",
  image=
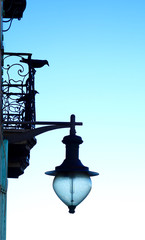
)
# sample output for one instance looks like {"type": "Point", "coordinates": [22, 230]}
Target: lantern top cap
{"type": "Point", "coordinates": [72, 164]}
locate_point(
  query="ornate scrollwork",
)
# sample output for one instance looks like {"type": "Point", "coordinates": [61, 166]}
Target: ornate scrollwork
{"type": "Point", "coordinates": [18, 91]}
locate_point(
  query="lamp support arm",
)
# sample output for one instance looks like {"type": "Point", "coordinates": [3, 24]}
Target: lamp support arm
{"type": "Point", "coordinates": [14, 136]}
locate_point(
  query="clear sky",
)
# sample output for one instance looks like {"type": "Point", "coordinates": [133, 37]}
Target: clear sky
{"type": "Point", "coordinates": [96, 52]}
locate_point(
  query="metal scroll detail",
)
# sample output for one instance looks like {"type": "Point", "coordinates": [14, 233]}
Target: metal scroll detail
{"type": "Point", "coordinates": [18, 91]}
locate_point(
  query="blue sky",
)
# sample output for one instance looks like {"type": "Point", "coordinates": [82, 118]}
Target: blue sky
{"type": "Point", "coordinates": [96, 51]}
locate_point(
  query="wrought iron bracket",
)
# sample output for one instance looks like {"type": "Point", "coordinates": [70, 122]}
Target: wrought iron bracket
{"type": "Point", "coordinates": [17, 135]}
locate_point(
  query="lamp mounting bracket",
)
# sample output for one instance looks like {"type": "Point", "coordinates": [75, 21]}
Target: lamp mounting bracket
{"type": "Point", "coordinates": [19, 135]}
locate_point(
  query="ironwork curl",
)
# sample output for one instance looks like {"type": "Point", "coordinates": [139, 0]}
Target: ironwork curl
{"type": "Point", "coordinates": [18, 91]}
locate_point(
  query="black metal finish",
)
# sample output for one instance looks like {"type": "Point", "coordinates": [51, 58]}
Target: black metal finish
{"type": "Point", "coordinates": [18, 91]}
{"type": "Point", "coordinates": [72, 162]}
{"type": "Point", "coordinates": [13, 8]}
{"type": "Point", "coordinates": [15, 136]}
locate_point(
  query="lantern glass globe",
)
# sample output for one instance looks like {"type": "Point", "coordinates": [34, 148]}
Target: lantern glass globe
{"type": "Point", "coordinates": [72, 188]}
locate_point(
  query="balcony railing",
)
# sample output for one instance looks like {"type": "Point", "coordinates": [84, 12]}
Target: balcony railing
{"type": "Point", "coordinates": [18, 91]}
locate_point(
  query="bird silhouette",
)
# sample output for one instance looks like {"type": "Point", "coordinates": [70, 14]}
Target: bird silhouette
{"type": "Point", "coordinates": [35, 63]}
{"type": "Point", "coordinates": [27, 97]}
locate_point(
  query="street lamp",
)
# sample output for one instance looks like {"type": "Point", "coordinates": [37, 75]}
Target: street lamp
{"type": "Point", "coordinates": [72, 181]}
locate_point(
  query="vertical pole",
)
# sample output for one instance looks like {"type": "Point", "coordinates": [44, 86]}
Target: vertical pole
{"type": "Point", "coordinates": [72, 128]}
{"type": "Point", "coordinates": [3, 187]}
{"type": "Point", "coordinates": [3, 147]}
{"type": "Point", "coordinates": [1, 49]}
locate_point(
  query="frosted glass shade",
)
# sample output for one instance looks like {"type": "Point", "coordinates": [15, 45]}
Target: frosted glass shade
{"type": "Point", "coordinates": [72, 188]}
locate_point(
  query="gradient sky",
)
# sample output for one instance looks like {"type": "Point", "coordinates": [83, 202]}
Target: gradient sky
{"type": "Point", "coordinates": [96, 52]}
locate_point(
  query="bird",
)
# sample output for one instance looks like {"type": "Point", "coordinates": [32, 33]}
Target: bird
{"type": "Point", "coordinates": [34, 63]}
{"type": "Point", "coordinates": [27, 97]}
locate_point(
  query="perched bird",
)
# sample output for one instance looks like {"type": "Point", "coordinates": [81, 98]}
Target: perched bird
{"type": "Point", "coordinates": [35, 63]}
{"type": "Point", "coordinates": [27, 97]}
